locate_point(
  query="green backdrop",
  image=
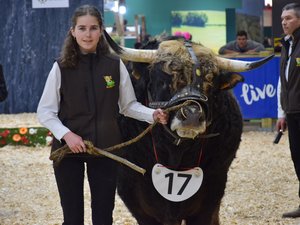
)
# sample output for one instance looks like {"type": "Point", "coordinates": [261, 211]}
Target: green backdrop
{"type": "Point", "coordinates": [158, 13]}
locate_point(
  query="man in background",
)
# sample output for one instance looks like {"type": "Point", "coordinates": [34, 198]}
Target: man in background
{"type": "Point", "coordinates": [242, 45]}
{"type": "Point", "coordinates": [289, 87]}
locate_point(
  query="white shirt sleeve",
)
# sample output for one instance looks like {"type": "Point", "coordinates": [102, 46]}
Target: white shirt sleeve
{"type": "Point", "coordinates": [48, 106]}
{"type": "Point", "coordinates": [128, 104]}
{"type": "Point", "coordinates": [280, 112]}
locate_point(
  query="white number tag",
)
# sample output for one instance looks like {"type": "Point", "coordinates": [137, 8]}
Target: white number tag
{"type": "Point", "coordinates": [176, 186]}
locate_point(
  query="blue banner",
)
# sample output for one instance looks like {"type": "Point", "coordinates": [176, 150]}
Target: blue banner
{"type": "Point", "coordinates": [257, 95]}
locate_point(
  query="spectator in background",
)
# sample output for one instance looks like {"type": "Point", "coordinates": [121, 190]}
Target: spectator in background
{"type": "Point", "coordinates": [114, 28]}
{"type": "Point", "coordinates": [289, 87]}
{"type": "Point", "coordinates": [145, 40]}
{"type": "Point", "coordinates": [242, 45]}
{"type": "Point", "coordinates": [3, 89]}
{"type": "Point", "coordinates": [137, 45]}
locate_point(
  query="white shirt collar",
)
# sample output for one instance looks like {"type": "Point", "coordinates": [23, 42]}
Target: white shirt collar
{"type": "Point", "coordinates": [287, 37]}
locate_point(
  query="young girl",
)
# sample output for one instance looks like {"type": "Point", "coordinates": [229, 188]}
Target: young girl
{"type": "Point", "coordinates": [85, 90]}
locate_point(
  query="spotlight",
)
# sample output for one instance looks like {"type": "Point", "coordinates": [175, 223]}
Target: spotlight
{"type": "Point", "coordinates": [122, 7]}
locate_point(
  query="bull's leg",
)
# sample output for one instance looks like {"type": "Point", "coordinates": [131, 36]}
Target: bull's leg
{"type": "Point", "coordinates": [214, 192]}
{"type": "Point", "coordinates": [139, 214]}
{"type": "Point", "coordinates": [147, 221]}
{"type": "Point", "coordinates": [127, 190]}
{"type": "Point", "coordinates": [205, 218]}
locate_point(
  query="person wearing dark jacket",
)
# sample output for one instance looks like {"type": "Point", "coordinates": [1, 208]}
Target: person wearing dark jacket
{"type": "Point", "coordinates": [85, 91]}
{"type": "Point", "coordinates": [289, 87]}
{"type": "Point", "coordinates": [3, 89]}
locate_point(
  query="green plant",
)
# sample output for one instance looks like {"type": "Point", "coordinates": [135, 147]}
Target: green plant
{"type": "Point", "coordinates": [196, 19]}
{"type": "Point", "coordinates": [176, 19]}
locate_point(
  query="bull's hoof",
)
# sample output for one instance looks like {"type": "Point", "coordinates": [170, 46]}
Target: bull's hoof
{"type": "Point", "coordinates": [292, 214]}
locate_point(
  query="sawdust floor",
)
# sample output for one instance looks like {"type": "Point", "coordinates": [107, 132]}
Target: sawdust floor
{"type": "Point", "coordinates": [261, 183]}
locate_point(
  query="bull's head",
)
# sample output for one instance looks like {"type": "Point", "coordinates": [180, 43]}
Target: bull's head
{"type": "Point", "coordinates": [182, 71]}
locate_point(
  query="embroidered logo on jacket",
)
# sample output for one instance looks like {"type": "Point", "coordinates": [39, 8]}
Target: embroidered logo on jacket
{"type": "Point", "coordinates": [298, 61]}
{"type": "Point", "coordinates": [109, 81]}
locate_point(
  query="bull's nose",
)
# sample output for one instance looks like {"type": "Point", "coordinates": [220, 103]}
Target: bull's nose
{"type": "Point", "coordinates": [191, 111]}
{"type": "Point", "coordinates": [192, 120]}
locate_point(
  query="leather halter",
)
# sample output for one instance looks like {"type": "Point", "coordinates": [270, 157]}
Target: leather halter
{"type": "Point", "coordinates": [189, 92]}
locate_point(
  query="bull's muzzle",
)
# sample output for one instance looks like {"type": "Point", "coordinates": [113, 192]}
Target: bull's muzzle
{"type": "Point", "coordinates": [186, 111]}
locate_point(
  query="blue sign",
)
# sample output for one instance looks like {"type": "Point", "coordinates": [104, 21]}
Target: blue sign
{"type": "Point", "coordinates": [257, 95]}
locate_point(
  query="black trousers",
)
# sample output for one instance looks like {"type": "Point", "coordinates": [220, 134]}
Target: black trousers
{"type": "Point", "coordinates": [101, 173]}
{"type": "Point", "coordinates": [293, 121]}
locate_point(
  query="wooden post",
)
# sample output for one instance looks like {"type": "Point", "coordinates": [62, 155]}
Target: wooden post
{"type": "Point", "coordinates": [136, 24]}
{"type": "Point", "coordinates": [143, 27]}
{"type": "Point", "coordinates": [120, 27]}
{"type": "Point", "coordinates": [267, 123]}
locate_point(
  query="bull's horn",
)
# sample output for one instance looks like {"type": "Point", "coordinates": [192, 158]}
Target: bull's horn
{"type": "Point", "coordinates": [138, 55]}
{"type": "Point", "coordinates": [239, 65]}
{"type": "Point", "coordinates": [135, 55]}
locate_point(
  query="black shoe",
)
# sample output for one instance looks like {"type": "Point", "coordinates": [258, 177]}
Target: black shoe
{"type": "Point", "coordinates": [292, 214]}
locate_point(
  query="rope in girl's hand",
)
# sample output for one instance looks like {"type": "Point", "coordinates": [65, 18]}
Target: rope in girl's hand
{"type": "Point", "coordinates": [60, 153]}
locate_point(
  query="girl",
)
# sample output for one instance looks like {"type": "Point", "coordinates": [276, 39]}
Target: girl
{"type": "Point", "coordinates": [86, 89]}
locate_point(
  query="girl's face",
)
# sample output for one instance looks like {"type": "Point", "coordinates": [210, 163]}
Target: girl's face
{"type": "Point", "coordinates": [87, 33]}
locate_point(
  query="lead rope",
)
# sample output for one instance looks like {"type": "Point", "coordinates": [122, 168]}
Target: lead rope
{"type": "Point", "coordinates": [57, 155]}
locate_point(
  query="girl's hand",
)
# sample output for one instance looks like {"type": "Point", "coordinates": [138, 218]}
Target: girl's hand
{"type": "Point", "coordinates": [74, 142]}
{"type": "Point", "coordinates": [161, 116]}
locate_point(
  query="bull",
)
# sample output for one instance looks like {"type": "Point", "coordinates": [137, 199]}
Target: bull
{"type": "Point", "coordinates": [188, 159]}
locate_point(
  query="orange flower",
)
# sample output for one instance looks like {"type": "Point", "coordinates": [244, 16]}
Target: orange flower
{"type": "Point", "coordinates": [16, 137]}
{"type": "Point", "coordinates": [23, 130]}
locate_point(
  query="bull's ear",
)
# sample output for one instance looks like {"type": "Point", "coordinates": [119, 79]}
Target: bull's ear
{"type": "Point", "coordinates": [229, 80]}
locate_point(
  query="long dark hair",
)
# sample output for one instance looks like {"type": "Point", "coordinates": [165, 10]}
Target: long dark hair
{"type": "Point", "coordinates": [70, 50]}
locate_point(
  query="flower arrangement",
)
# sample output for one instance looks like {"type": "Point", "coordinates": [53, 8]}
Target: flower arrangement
{"type": "Point", "coordinates": [32, 136]}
